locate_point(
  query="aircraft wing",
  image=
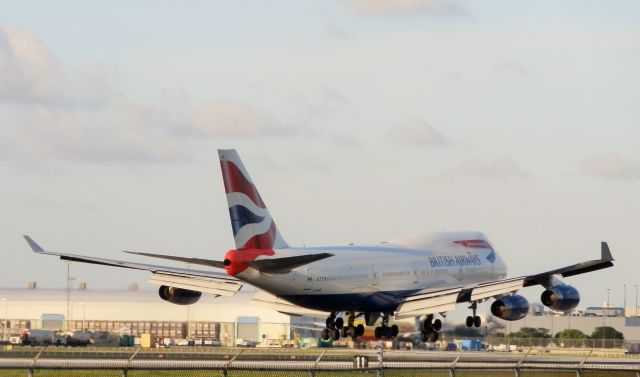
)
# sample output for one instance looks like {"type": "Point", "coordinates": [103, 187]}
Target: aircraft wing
{"type": "Point", "coordinates": [439, 301]}
{"type": "Point", "coordinates": [266, 299]}
{"type": "Point", "coordinates": [270, 265]}
{"type": "Point", "coordinates": [211, 282]}
{"type": "Point", "coordinates": [204, 262]}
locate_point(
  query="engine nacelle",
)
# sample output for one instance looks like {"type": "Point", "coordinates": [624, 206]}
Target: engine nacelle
{"type": "Point", "coordinates": [179, 296]}
{"type": "Point", "coordinates": [510, 308]}
{"type": "Point", "coordinates": [561, 298]}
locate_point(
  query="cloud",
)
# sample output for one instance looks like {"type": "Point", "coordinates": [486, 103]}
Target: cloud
{"type": "Point", "coordinates": [28, 70]}
{"type": "Point", "coordinates": [418, 132]}
{"type": "Point", "coordinates": [399, 8]}
{"type": "Point", "coordinates": [499, 167]}
{"type": "Point", "coordinates": [48, 113]}
{"type": "Point", "coordinates": [611, 166]}
{"type": "Point", "coordinates": [31, 74]}
{"type": "Point", "coordinates": [122, 132]}
{"type": "Point", "coordinates": [51, 114]}
{"type": "Point", "coordinates": [345, 140]}
{"type": "Point", "coordinates": [335, 30]}
{"type": "Point", "coordinates": [322, 104]}
{"type": "Point", "coordinates": [231, 119]}
{"type": "Point", "coordinates": [513, 67]}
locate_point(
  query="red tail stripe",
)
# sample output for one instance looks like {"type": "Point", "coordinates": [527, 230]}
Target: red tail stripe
{"type": "Point", "coordinates": [235, 181]}
{"type": "Point", "coordinates": [262, 241]}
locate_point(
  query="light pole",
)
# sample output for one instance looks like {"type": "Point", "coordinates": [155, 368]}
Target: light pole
{"type": "Point", "coordinates": [636, 286]}
{"type": "Point", "coordinates": [84, 314]}
{"type": "Point", "coordinates": [6, 320]}
{"type": "Point", "coordinates": [69, 279]}
{"type": "Point", "coordinates": [604, 324]}
{"type": "Point", "coordinates": [624, 305]}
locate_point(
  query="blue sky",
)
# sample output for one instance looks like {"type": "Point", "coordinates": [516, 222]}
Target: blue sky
{"type": "Point", "coordinates": [360, 121]}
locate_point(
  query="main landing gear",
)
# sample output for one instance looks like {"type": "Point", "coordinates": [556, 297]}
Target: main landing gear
{"type": "Point", "coordinates": [430, 328]}
{"type": "Point", "coordinates": [474, 320]}
{"type": "Point", "coordinates": [336, 328]}
{"type": "Point", "coordinates": [386, 331]}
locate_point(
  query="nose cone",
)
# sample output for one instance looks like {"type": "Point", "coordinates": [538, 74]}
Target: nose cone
{"type": "Point", "coordinates": [500, 267]}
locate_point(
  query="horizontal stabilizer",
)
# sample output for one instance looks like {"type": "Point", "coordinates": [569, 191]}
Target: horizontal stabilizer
{"type": "Point", "coordinates": [286, 264]}
{"type": "Point", "coordinates": [203, 262]}
{"type": "Point", "coordinates": [213, 286]}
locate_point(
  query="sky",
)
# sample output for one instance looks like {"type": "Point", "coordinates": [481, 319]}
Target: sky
{"type": "Point", "coordinates": [360, 121]}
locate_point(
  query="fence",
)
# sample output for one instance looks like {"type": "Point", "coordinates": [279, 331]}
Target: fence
{"type": "Point", "coordinates": [556, 342]}
{"type": "Point", "coordinates": [44, 362]}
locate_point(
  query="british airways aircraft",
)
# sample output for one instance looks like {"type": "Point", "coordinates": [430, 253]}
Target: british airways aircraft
{"type": "Point", "coordinates": [418, 277]}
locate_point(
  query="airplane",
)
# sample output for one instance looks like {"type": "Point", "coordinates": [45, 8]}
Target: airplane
{"type": "Point", "coordinates": [411, 277]}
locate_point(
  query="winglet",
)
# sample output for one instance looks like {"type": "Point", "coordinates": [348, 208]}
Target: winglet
{"type": "Point", "coordinates": [605, 252]}
{"type": "Point", "coordinates": [34, 246]}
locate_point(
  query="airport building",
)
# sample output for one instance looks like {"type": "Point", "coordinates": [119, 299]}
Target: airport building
{"type": "Point", "coordinates": [135, 312]}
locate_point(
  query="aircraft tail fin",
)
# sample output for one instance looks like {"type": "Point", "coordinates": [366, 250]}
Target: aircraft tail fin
{"type": "Point", "coordinates": [252, 224]}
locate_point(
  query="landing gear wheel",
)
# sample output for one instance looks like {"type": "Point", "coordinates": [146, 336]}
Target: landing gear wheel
{"type": "Point", "coordinates": [351, 332]}
{"type": "Point", "coordinates": [394, 331]}
{"type": "Point", "coordinates": [336, 335]}
{"type": "Point", "coordinates": [428, 322]}
{"type": "Point", "coordinates": [424, 336]}
{"type": "Point", "coordinates": [338, 323]}
{"type": "Point", "coordinates": [330, 322]}
{"type": "Point", "coordinates": [378, 332]}
{"type": "Point", "coordinates": [344, 332]}
{"type": "Point", "coordinates": [433, 337]}
{"type": "Point", "coordinates": [437, 325]}
{"type": "Point", "coordinates": [469, 321]}
{"type": "Point", "coordinates": [360, 330]}
{"type": "Point", "coordinates": [477, 321]}
{"type": "Point", "coordinates": [326, 334]}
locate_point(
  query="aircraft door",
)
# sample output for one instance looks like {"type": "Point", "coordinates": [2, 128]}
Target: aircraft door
{"type": "Point", "coordinates": [374, 275]}
{"type": "Point", "coordinates": [415, 271]}
{"type": "Point", "coordinates": [308, 283]}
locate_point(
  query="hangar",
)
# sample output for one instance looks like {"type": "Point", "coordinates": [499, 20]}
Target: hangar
{"type": "Point", "coordinates": [141, 311]}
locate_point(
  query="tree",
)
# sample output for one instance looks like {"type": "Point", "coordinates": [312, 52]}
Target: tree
{"type": "Point", "coordinates": [606, 332]}
{"type": "Point", "coordinates": [530, 332]}
{"type": "Point", "coordinates": [571, 334]}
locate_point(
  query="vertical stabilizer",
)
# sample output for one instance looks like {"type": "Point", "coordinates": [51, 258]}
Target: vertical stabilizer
{"type": "Point", "coordinates": [252, 224]}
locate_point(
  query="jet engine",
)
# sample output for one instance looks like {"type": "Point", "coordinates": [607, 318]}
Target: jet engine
{"type": "Point", "coordinates": [179, 296]}
{"type": "Point", "coordinates": [510, 308]}
{"type": "Point", "coordinates": [561, 297]}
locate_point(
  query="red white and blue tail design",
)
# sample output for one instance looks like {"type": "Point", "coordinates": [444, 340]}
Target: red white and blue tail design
{"type": "Point", "coordinates": [252, 224]}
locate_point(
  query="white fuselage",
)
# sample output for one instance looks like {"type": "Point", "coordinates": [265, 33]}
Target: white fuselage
{"type": "Point", "coordinates": [377, 277]}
